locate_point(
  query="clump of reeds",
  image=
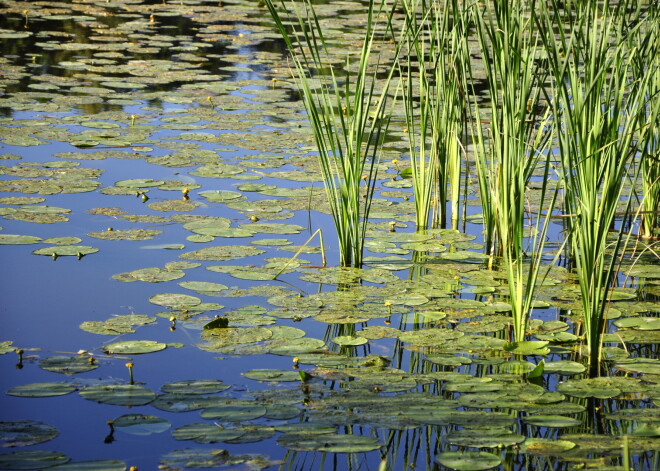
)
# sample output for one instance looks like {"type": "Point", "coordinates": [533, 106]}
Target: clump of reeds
{"type": "Point", "coordinates": [597, 105]}
{"type": "Point", "coordinates": [348, 111]}
{"type": "Point", "coordinates": [511, 147]}
{"type": "Point", "coordinates": [436, 106]}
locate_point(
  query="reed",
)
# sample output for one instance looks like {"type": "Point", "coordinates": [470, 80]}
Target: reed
{"type": "Point", "coordinates": [511, 149]}
{"type": "Point", "coordinates": [647, 40]}
{"type": "Point", "coordinates": [435, 106]}
{"type": "Point", "coordinates": [596, 106]}
{"type": "Point", "coordinates": [348, 111]}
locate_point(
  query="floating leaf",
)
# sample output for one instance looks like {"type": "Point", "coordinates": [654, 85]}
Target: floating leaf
{"type": "Point", "coordinates": [14, 239]}
{"type": "Point", "coordinates": [234, 412]}
{"type": "Point", "coordinates": [66, 250]}
{"type": "Point", "coordinates": [272, 375]}
{"type": "Point", "coordinates": [546, 447]}
{"type": "Point", "coordinates": [131, 234]}
{"type": "Point", "coordinates": [119, 394]}
{"type": "Point", "coordinates": [139, 424]}
{"type": "Point", "coordinates": [554, 421]}
{"type": "Point", "coordinates": [41, 390]}
{"type": "Point", "coordinates": [349, 340]}
{"type": "Point", "coordinates": [69, 365]}
{"type": "Point", "coordinates": [174, 300]}
{"type": "Point", "coordinates": [25, 433]}
{"type": "Point", "coordinates": [195, 386]}
{"type": "Point", "coordinates": [328, 442]}
{"type": "Point", "coordinates": [134, 347]}
{"type": "Point", "coordinates": [34, 459]}
{"type": "Point", "coordinates": [468, 460]}
{"type": "Point", "coordinates": [117, 325]}
{"type": "Point", "coordinates": [97, 465]}
{"type": "Point", "coordinates": [204, 432]}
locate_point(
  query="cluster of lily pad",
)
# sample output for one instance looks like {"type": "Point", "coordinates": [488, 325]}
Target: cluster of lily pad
{"type": "Point", "coordinates": [377, 360]}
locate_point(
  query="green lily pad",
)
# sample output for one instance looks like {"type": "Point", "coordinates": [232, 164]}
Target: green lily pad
{"type": "Point", "coordinates": [588, 388]}
{"type": "Point", "coordinates": [468, 460]}
{"type": "Point", "coordinates": [564, 367]}
{"type": "Point", "coordinates": [546, 447]}
{"type": "Point", "coordinates": [530, 347]}
{"type": "Point", "coordinates": [133, 347]}
{"type": "Point", "coordinates": [152, 275]}
{"type": "Point", "coordinates": [139, 183]}
{"type": "Point", "coordinates": [349, 340]}
{"type": "Point", "coordinates": [66, 250]}
{"type": "Point", "coordinates": [195, 386]}
{"type": "Point", "coordinates": [553, 421]}
{"type": "Point", "coordinates": [14, 239]}
{"type": "Point", "coordinates": [41, 390]}
{"type": "Point", "coordinates": [222, 253]}
{"type": "Point", "coordinates": [281, 412]}
{"type": "Point", "coordinates": [139, 424]}
{"type": "Point", "coordinates": [62, 240]}
{"type": "Point", "coordinates": [429, 337]}
{"type": "Point", "coordinates": [484, 437]}
{"type": "Point", "coordinates": [25, 433]}
{"type": "Point", "coordinates": [328, 442]}
{"type": "Point", "coordinates": [204, 432]}
{"type": "Point", "coordinates": [69, 365]}
{"type": "Point", "coordinates": [119, 394]}
{"type": "Point", "coordinates": [33, 459]}
{"type": "Point", "coordinates": [272, 375]}
{"type": "Point", "coordinates": [234, 412]}
{"type": "Point", "coordinates": [6, 347]}
{"type": "Point", "coordinates": [117, 325]}
{"type": "Point", "coordinates": [130, 234]}
{"type": "Point", "coordinates": [174, 300]}
{"type": "Point", "coordinates": [97, 465]}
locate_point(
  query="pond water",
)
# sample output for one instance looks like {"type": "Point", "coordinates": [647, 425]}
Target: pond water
{"type": "Point", "coordinates": [158, 171]}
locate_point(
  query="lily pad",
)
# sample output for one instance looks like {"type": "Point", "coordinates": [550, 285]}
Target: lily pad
{"type": "Point", "coordinates": [553, 421]}
{"type": "Point", "coordinates": [117, 325]}
{"type": "Point", "coordinates": [328, 442]}
{"type": "Point", "coordinates": [119, 394]}
{"type": "Point", "coordinates": [468, 460]}
{"type": "Point", "coordinates": [139, 424]}
{"type": "Point", "coordinates": [25, 433]}
{"type": "Point", "coordinates": [130, 234]}
{"type": "Point", "coordinates": [272, 375]}
{"type": "Point", "coordinates": [204, 432]}
{"type": "Point", "coordinates": [234, 412]}
{"type": "Point", "coordinates": [195, 386]}
{"type": "Point", "coordinates": [97, 465]}
{"type": "Point", "coordinates": [66, 250]}
{"type": "Point", "coordinates": [546, 447]}
{"type": "Point", "coordinates": [14, 239]}
{"type": "Point", "coordinates": [174, 300]}
{"type": "Point", "coordinates": [33, 459]}
{"type": "Point", "coordinates": [41, 390]}
{"type": "Point", "coordinates": [69, 365]}
{"type": "Point", "coordinates": [134, 347]}
{"type": "Point", "coordinates": [349, 340]}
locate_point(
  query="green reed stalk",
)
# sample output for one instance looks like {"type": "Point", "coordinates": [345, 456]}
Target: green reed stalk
{"type": "Point", "coordinates": [648, 41]}
{"type": "Point", "coordinates": [434, 97]}
{"type": "Point", "coordinates": [349, 116]}
{"type": "Point", "coordinates": [518, 139]}
{"type": "Point", "coordinates": [596, 108]}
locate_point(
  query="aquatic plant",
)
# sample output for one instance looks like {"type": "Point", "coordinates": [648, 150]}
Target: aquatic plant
{"type": "Point", "coordinates": [348, 112]}
{"type": "Point", "coordinates": [596, 107]}
{"type": "Point", "coordinates": [435, 97]}
{"type": "Point", "coordinates": [517, 141]}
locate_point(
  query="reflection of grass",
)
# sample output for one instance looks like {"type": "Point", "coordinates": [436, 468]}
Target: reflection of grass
{"type": "Point", "coordinates": [596, 108]}
{"type": "Point", "coordinates": [349, 117]}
